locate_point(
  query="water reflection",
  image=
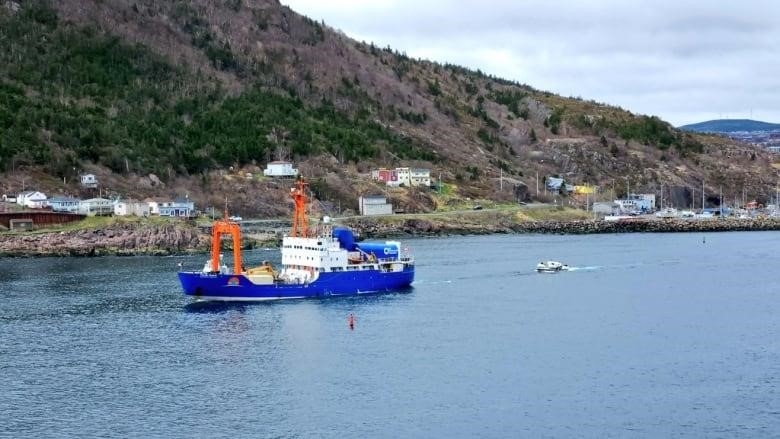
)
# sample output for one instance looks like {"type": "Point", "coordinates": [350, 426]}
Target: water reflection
{"type": "Point", "coordinates": [218, 307]}
{"type": "Point", "coordinates": [208, 307]}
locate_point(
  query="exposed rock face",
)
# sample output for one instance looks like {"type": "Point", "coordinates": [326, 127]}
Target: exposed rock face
{"type": "Point", "coordinates": [124, 239]}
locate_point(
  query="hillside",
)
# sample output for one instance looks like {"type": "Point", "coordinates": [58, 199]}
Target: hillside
{"type": "Point", "coordinates": [163, 98]}
{"type": "Point", "coordinates": [731, 126]}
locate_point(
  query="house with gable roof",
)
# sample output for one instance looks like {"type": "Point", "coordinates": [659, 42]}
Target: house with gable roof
{"type": "Point", "coordinates": [31, 199]}
{"type": "Point", "coordinates": [180, 207]}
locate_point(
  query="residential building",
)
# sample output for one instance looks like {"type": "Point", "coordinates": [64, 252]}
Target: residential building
{"type": "Point", "coordinates": [420, 177]}
{"type": "Point", "coordinates": [558, 185]}
{"type": "Point", "coordinates": [584, 190]}
{"type": "Point", "coordinates": [89, 181]}
{"type": "Point", "coordinates": [642, 202]}
{"type": "Point", "coordinates": [96, 207]}
{"type": "Point", "coordinates": [280, 169]}
{"type": "Point", "coordinates": [31, 199]}
{"type": "Point", "coordinates": [374, 205]}
{"type": "Point", "coordinates": [181, 207]}
{"type": "Point", "coordinates": [404, 176]}
{"type": "Point", "coordinates": [132, 207]}
{"type": "Point", "coordinates": [64, 204]}
{"type": "Point", "coordinates": [553, 184]}
{"type": "Point", "coordinates": [388, 176]}
{"type": "Point", "coordinates": [154, 205]}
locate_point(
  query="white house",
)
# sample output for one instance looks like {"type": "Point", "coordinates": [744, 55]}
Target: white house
{"type": "Point", "coordinates": [404, 176]}
{"type": "Point", "coordinates": [63, 204]}
{"type": "Point", "coordinates": [280, 169]}
{"type": "Point", "coordinates": [96, 206]}
{"type": "Point", "coordinates": [420, 177]}
{"type": "Point", "coordinates": [31, 199]}
{"type": "Point", "coordinates": [89, 181]}
{"type": "Point", "coordinates": [131, 207]}
{"type": "Point", "coordinates": [374, 205]}
{"type": "Point", "coordinates": [154, 205]}
{"type": "Point", "coordinates": [178, 207]}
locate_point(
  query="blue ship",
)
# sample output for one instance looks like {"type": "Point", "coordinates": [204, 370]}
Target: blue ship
{"type": "Point", "coordinates": [318, 263]}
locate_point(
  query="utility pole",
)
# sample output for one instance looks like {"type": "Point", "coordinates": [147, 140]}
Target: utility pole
{"type": "Point", "coordinates": [613, 190]}
{"type": "Point", "coordinates": [501, 179]}
{"type": "Point", "coordinates": [587, 198]}
{"type": "Point", "coordinates": [661, 206]}
{"type": "Point", "coordinates": [702, 195]}
{"type": "Point", "coordinates": [537, 183]}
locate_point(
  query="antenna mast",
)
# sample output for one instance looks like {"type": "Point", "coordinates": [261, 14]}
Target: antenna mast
{"type": "Point", "coordinates": [300, 225]}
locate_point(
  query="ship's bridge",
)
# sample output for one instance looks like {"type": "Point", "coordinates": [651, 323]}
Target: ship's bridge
{"type": "Point", "coordinates": [321, 252]}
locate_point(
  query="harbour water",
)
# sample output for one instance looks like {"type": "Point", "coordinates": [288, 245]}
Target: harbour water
{"type": "Point", "coordinates": [649, 335]}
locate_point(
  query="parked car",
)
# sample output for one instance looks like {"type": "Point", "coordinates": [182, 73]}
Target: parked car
{"type": "Point", "coordinates": [235, 218]}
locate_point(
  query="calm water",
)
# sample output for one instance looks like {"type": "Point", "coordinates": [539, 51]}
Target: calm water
{"type": "Point", "coordinates": [652, 335]}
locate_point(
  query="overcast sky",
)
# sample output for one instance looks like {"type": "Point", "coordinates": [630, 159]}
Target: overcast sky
{"type": "Point", "coordinates": [684, 61]}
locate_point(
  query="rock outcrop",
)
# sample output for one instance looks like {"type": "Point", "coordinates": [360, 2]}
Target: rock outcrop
{"type": "Point", "coordinates": [181, 238]}
{"type": "Point", "coordinates": [120, 239]}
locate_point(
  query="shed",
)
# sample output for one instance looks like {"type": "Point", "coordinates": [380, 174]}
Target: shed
{"type": "Point", "coordinates": [374, 205]}
{"type": "Point", "coordinates": [21, 224]}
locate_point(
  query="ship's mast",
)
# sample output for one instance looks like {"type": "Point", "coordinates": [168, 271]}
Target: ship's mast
{"type": "Point", "coordinates": [300, 225]}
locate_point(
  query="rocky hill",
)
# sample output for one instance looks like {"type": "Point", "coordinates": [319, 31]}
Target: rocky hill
{"type": "Point", "coordinates": [167, 98]}
{"type": "Point", "coordinates": [730, 126]}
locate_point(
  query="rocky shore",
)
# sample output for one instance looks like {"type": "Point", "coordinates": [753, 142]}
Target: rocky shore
{"type": "Point", "coordinates": [122, 239]}
{"type": "Point", "coordinates": [183, 238]}
{"type": "Point", "coordinates": [424, 227]}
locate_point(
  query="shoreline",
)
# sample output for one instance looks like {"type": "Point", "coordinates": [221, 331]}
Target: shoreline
{"type": "Point", "coordinates": [185, 239]}
{"type": "Point", "coordinates": [424, 228]}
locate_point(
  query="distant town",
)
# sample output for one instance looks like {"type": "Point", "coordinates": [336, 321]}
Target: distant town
{"type": "Point", "coordinates": [769, 140]}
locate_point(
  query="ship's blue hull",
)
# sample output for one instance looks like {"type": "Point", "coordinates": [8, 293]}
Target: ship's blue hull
{"type": "Point", "coordinates": [207, 286]}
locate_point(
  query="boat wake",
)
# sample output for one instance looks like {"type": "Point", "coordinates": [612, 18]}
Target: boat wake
{"type": "Point", "coordinates": [591, 268]}
{"type": "Point", "coordinates": [435, 282]}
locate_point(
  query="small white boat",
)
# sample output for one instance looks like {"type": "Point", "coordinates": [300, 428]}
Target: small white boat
{"type": "Point", "coordinates": [551, 267]}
